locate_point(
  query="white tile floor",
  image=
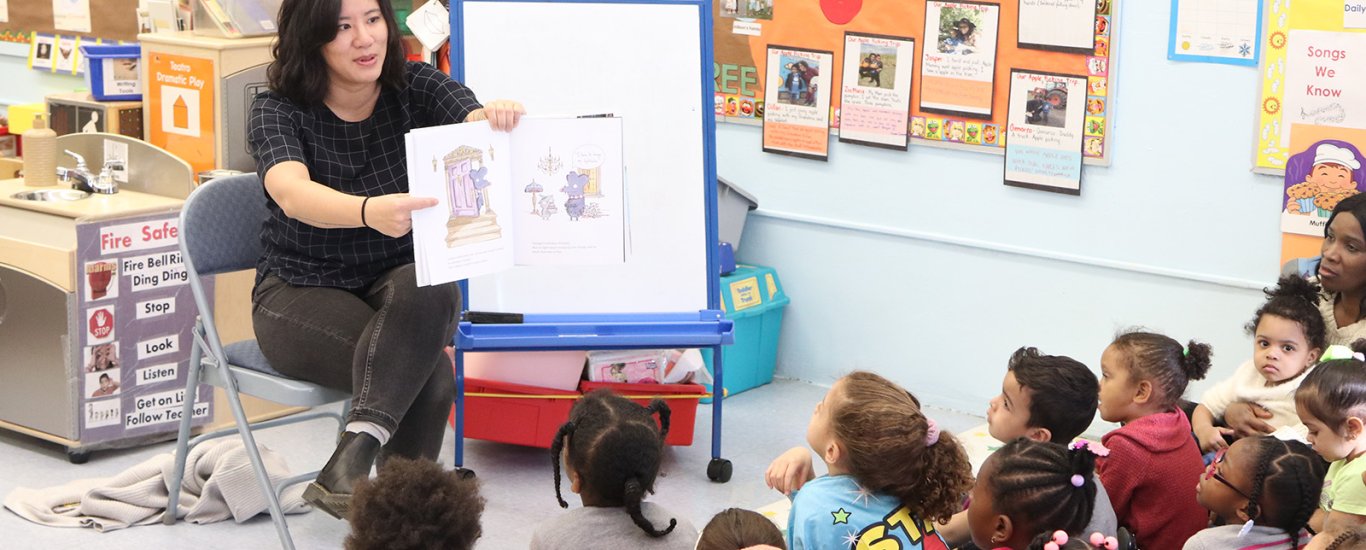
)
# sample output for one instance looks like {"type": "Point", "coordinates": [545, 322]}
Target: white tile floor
{"type": "Point", "coordinates": [759, 424]}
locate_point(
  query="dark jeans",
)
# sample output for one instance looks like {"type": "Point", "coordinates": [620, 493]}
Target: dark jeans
{"type": "Point", "coordinates": [384, 344]}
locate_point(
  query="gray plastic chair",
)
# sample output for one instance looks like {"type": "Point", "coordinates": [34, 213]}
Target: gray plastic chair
{"type": "Point", "coordinates": [220, 226]}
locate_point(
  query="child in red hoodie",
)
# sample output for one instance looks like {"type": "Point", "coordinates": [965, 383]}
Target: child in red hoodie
{"type": "Point", "coordinates": [1154, 463]}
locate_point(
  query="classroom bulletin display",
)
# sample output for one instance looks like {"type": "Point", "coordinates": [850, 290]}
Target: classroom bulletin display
{"type": "Point", "coordinates": [745, 28]}
{"type": "Point", "coordinates": [1313, 87]}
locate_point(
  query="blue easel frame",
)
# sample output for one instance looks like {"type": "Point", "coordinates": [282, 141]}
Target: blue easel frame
{"type": "Point", "coordinates": [707, 328]}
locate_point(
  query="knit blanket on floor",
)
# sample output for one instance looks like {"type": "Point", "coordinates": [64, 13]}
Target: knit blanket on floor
{"type": "Point", "coordinates": [219, 483]}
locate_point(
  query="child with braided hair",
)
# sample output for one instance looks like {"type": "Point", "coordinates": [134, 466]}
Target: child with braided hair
{"type": "Point", "coordinates": [612, 449]}
{"type": "Point", "coordinates": [892, 472]}
{"type": "Point", "coordinates": [1332, 404]}
{"type": "Point", "coordinates": [1028, 486]}
{"type": "Point", "coordinates": [1265, 489]}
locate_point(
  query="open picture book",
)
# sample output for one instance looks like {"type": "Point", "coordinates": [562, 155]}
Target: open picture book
{"type": "Point", "coordinates": [551, 192]}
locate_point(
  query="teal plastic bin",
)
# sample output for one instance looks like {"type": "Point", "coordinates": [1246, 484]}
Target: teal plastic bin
{"type": "Point", "coordinates": [753, 298]}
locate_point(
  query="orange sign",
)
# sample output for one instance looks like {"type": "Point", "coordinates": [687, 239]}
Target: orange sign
{"type": "Point", "coordinates": [180, 107]}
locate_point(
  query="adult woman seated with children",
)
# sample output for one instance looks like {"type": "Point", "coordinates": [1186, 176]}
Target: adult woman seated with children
{"type": "Point", "coordinates": [336, 302]}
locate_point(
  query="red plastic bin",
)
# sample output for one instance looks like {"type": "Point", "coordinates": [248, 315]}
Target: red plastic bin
{"type": "Point", "coordinates": [530, 421]}
{"type": "Point", "coordinates": [681, 398]}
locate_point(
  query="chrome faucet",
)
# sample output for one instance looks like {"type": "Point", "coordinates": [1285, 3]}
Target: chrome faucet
{"type": "Point", "coordinates": [82, 180]}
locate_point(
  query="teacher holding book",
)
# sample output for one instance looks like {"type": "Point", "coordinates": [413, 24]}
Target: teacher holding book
{"type": "Point", "coordinates": [336, 300]}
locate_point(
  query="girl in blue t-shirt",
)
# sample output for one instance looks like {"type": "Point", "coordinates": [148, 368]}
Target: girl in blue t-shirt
{"type": "Point", "coordinates": [892, 471]}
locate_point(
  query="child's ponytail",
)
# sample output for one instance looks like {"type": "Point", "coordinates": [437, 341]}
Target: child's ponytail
{"type": "Point", "coordinates": [635, 493]}
{"type": "Point", "coordinates": [556, 449]}
{"type": "Point", "coordinates": [658, 406]}
{"type": "Point", "coordinates": [1195, 361]}
{"type": "Point", "coordinates": [1168, 364]}
{"type": "Point", "coordinates": [894, 448]}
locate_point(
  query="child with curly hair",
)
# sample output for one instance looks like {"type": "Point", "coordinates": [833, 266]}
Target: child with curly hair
{"type": "Point", "coordinates": [611, 448]}
{"type": "Point", "coordinates": [1153, 460]}
{"type": "Point", "coordinates": [1288, 335]}
{"type": "Point", "coordinates": [1264, 489]}
{"type": "Point", "coordinates": [414, 505]}
{"type": "Point", "coordinates": [892, 471]}
{"type": "Point", "coordinates": [1030, 486]}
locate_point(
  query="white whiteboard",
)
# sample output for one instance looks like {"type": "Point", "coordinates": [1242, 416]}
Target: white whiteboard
{"type": "Point", "coordinates": [641, 62]}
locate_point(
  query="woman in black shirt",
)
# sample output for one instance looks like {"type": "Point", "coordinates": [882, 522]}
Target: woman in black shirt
{"type": "Point", "coordinates": [336, 300]}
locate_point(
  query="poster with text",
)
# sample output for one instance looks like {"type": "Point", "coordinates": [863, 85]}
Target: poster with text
{"type": "Point", "coordinates": [1215, 31]}
{"type": "Point", "coordinates": [135, 343]}
{"type": "Point", "coordinates": [958, 67]}
{"type": "Point", "coordinates": [1321, 87]}
{"type": "Point", "coordinates": [1063, 25]}
{"type": "Point", "coordinates": [875, 97]}
{"type": "Point", "coordinates": [797, 99]}
{"type": "Point", "coordinates": [1316, 180]}
{"type": "Point", "coordinates": [179, 107]}
{"type": "Point", "coordinates": [1044, 131]}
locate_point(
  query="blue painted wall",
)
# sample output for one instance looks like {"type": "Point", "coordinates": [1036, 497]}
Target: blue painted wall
{"type": "Point", "coordinates": [922, 266]}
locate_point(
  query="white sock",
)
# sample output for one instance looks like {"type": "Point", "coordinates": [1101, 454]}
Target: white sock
{"type": "Point", "coordinates": [364, 427]}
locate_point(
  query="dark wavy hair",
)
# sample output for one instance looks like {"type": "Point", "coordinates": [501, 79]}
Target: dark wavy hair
{"type": "Point", "coordinates": [1062, 392]}
{"type": "Point", "coordinates": [1031, 483]}
{"type": "Point", "coordinates": [884, 432]}
{"type": "Point", "coordinates": [1295, 299]}
{"type": "Point", "coordinates": [614, 446]}
{"type": "Point", "coordinates": [415, 505]}
{"type": "Point", "coordinates": [299, 72]}
{"type": "Point", "coordinates": [1164, 361]}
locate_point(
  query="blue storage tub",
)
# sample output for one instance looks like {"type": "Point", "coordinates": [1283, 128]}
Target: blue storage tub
{"type": "Point", "coordinates": [112, 71]}
{"type": "Point", "coordinates": [753, 298]}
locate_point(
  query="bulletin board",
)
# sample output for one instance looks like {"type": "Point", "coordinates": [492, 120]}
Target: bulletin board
{"type": "Point", "coordinates": [742, 39]}
{"type": "Point", "coordinates": [109, 19]}
{"type": "Point", "coordinates": [1277, 114]}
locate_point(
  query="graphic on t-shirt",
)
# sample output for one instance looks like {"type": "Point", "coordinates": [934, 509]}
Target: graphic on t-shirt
{"type": "Point", "coordinates": [841, 516]}
{"type": "Point", "coordinates": [472, 219]}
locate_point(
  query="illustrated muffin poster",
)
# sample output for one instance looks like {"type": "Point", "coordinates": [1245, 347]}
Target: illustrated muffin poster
{"type": "Point", "coordinates": [1316, 180]}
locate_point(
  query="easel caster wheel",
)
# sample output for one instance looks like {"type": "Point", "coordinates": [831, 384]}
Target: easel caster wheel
{"type": "Point", "coordinates": [719, 470]}
{"type": "Point", "coordinates": [77, 457]}
{"type": "Point", "coordinates": [464, 473]}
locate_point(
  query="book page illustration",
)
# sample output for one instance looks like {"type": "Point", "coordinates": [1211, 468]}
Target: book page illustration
{"type": "Point", "coordinates": [571, 172]}
{"type": "Point", "coordinates": [467, 185]}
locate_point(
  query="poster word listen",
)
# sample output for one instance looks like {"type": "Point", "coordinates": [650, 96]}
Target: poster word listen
{"type": "Point", "coordinates": [958, 67]}
{"type": "Point", "coordinates": [876, 96]}
{"type": "Point", "coordinates": [797, 95]}
{"type": "Point", "coordinates": [1044, 131]}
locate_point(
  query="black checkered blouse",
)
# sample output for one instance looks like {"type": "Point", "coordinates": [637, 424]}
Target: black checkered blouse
{"type": "Point", "coordinates": [364, 158]}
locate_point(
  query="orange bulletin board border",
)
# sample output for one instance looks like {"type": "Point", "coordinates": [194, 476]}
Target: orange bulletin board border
{"type": "Point", "coordinates": [741, 42]}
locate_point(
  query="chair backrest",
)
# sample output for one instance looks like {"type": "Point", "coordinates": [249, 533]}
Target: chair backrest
{"type": "Point", "coordinates": [220, 224]}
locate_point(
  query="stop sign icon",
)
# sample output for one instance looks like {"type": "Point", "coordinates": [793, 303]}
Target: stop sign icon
{"type": "Point", "coordinates": [101, 323]}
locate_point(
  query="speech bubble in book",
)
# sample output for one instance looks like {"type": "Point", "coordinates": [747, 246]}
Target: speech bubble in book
{"type": "Point", "coordinates": [588, 157]}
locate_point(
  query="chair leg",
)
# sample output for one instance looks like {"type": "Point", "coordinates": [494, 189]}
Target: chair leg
{"type": "Point", "coordinates": [277, 515]}
{"type": "Point", "coordinates": [182, 447]}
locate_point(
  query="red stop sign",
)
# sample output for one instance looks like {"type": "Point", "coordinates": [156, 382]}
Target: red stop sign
{"type": "Point", "coordinates": [101, 323]}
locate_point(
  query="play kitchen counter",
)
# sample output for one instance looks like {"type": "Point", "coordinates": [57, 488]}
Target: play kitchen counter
{"type": "Point", "coordinates": [95, 319]}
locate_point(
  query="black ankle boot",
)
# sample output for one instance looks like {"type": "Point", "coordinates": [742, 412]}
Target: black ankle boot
{"type": "Point", "coordinates": [350, 463]}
